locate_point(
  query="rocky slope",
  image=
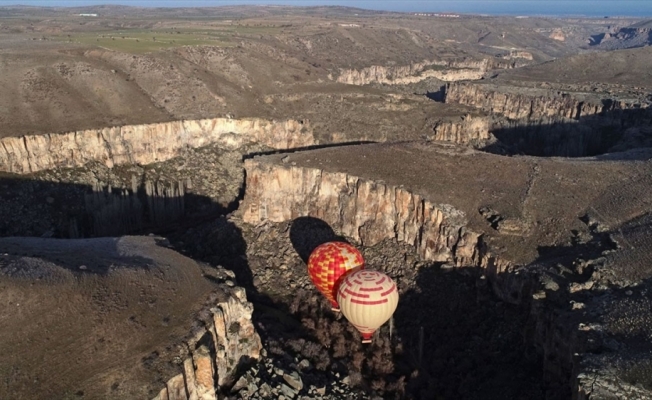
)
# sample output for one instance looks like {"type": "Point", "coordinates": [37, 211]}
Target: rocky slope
{"type": "Point", "coordinates": [616, 38]}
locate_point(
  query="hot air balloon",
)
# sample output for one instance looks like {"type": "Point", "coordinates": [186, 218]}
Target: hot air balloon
{"type": "Point", "coordinates": [367, 299]}
{"type": "Point", "coordinates": [328, 263]}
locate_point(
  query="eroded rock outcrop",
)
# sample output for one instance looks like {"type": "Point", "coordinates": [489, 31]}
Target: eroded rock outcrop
{"type": "Point", "coordinates": [466, 129]}
{"type": "Point", "coordinates": [557, 34]}
{"type": "Point", "coordinates": [145, 144]}
{"type": "Point", "coordinates": [528, 103]}
{"type": "Point", "coordinates": [532, 103]}
{"type": "Point", "coordinates": [227, 342]}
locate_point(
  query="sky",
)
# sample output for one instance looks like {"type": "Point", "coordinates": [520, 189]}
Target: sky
{"type": "Point", "coordinates": [595, 8]}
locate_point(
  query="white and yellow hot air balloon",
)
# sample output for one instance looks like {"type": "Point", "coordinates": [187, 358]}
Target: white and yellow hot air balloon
{"type": "Point", "coordinates": [367, 299]}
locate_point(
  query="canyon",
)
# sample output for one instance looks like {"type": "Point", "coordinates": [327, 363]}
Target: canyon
{"type": "Point", "coordinates": [155, 227]}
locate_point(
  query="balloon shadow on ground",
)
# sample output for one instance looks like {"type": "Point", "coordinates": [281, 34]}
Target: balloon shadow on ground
{"type": "Point", "coordinates": [307, 233]}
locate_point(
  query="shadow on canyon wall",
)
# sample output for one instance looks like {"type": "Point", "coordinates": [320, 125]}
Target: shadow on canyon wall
{"type": "Point", "coordinates": [439, 95]}
{"type": "Point", "coordinates": [306, 148]}
{"type": "Point", "coordinates": [610, 131]}
{"type": "Point", "coordinates": [593, 135]}
{"type": "Point", "coordinates": [66, 210]}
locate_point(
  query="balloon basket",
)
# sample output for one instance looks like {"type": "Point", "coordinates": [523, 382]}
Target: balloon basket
{"type": "Point", "coordinates": [366, 341]}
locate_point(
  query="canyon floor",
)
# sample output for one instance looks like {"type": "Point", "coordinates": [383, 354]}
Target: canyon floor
{"type": "Point", "coordinates": [165, 174]}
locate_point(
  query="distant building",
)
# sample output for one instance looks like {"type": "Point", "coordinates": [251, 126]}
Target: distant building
{"type": "Point", "coordinates": [440, 15]}
{"type": "Point", "coordinates": [88, 15]}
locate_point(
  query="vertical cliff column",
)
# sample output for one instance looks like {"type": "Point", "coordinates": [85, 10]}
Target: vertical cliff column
{"type": "Point", "coordinates": [368, 212]}
{"type": "Point", "coordinates": [236, 341]}
{"type": "Point", "coordinates": [228, 342]}
{"type": "Point", "coordinates": [146, 144]}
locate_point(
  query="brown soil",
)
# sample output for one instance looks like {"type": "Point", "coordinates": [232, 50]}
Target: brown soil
{"type": "Point", "coordinates": [93, 319]}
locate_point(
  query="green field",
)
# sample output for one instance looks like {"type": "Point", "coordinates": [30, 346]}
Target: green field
{"type": "Point", "coordinates": [145, 41]}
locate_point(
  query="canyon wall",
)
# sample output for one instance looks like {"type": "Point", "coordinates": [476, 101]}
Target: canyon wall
{"type": "Point", "coordinates": [543, 122]}
{"type": "Point", "coordinates": [533, 103]}
{"type": "Point", "coordinates": [228, 341]}
{"type": "Point", "coordinates": [368, 212]}
{"type": "Point", "coordinates": [145, 144]}
{"type": "Point", "coordinates": [468, 129]}
{"type": "Point", "coordinates": [452, 70]}
{"type": "Point", "coordinates": [530, 104]}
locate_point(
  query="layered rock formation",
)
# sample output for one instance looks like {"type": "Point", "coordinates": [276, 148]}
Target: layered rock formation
{"type": "Point", "coordinates": [531, 103]}
{"type": "Point", "coordinates": [145, 144]}
{"type": "Point", "coordinates": [542, 122]}
{"type": "Point", "coordinates": [453, 70]}
{"type": "Point", "coordinates": [367, 211]}
{"type": "Point", "coordinates": [467, 129]}
{"type": "Point", "coordinates": [228, 342]}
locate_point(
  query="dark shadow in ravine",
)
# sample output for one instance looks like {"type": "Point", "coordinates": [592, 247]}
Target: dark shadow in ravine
{"type": "Point", "coordinates": [306, 148]}
{"type": "Point", "coordinates": [47, 209]}
{"type": "Point", "coordinates": [438, 96]}
{"type": "Point", "coordinates": [461, 342]}
{"type": "Point", "coordinates": [301, 325]}
{"type": "Point", "coordinates": [610, 131]}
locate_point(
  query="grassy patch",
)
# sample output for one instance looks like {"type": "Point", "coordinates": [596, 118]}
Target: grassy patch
{"type": "Point", "coordinates": [147, 40]}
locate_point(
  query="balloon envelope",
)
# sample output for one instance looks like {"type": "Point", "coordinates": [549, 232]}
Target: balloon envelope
{"type": "Point", "coordinates": [328, 263]}
{"type": "Point", "coordinates": [367, 299]}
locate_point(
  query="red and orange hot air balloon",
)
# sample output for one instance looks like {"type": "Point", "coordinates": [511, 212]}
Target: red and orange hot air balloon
{"type": "Point", "coordinates": [329, 263]}
{"type": "Point", "coordinates": [368, 299]}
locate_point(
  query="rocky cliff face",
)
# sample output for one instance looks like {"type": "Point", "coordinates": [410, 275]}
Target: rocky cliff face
{"type": "Point", "coordinates": [534, 103]}
{"type": "Point", "coordinates": [557, 34]}
{"type": "Point", "coordinates": [227, 342]}
{"type": "Point", "coordinates": [621, 38]}
{"type": "Point", "coordinates": [529, 103]}
{"type": "Point", "coordinates": [368, 212]}
{"type": "Point", "coordinates": [542, 122]}
{"type": "Point", "coordinates": [468, 129]}
{"type": "Point", "coordinates": [145, 144]}
{"type": "Point", "coordinates": [454, 70]}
